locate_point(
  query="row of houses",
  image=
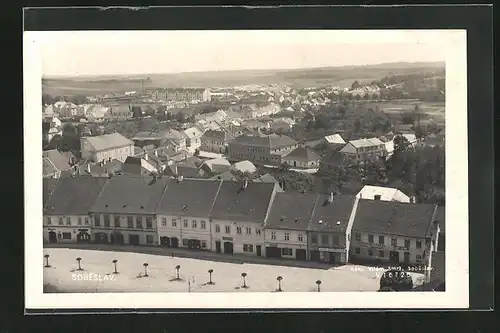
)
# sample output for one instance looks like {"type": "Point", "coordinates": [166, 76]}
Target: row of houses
{"type": "Point", "coordinates": [229, 217]}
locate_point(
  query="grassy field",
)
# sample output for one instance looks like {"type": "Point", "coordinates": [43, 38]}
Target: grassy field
{"type": "Point", "coordinates": [430, 111]}
{"type": "Point", "coordinates": [339, 76]}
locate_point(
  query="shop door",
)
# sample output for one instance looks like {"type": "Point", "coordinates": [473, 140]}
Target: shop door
{"type": "Point", "coordinates": [133, 239]}
{"type": "Point", "coordinates": [119, 239]}
{"type": "Point", "coordinates": [165, 241]}
{"type": "Point", "coordinates": [300, 254]}
{"type": "Point", "coordinates": [258, 249]}
{"type": "Point", "coordinates": [407, 258]}
{"type": "Point", "coordinates": [217, 247]}
{"type": "Point", "coordinates": [174, 242]}
{"type": "Point", "coordinates": [315, 256]}
{"type": "Point", "coordinates": [83, 237]}
{"type": "Point", "coordinates": [52, 237]}
{"type": "Point", "coordinates": [273, 252]}
{"type": "Point", "coordinates": [228, 247]}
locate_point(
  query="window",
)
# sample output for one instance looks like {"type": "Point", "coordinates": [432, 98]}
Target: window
{"type": "Point", "coordinates": [394, 241]}
{"type": "Point", "coordinates": [287, 236]}
{"type": "Point", "coordinates": [106, 221]}
{"type": "Point", "coordinates": [336, 240]}
{"type": "Point", "coordinates": [185, 242]}
{"type": "Point", "coordinates": [257, 231]}
{"type": "Point", "coordinates": [217, 228]}
{"type": "Point", "coordinates": [97, 222]}
{"type": "Point", "coordinates": [247, 248]}
{"type": "Point", "coordinates": [138, 223]}
{"type": "Point", "coordinates": [300, 237]}
{"type": "Point", "coordinates": [249, 231]}
{"type": "Point", "coordinates": [273, 235]}
{"type": "Point", "coordinates": [418, 258]}
{"type": "Point", "coordinates": [228, 229]}
{"type": "Point", "coordinates": [164, 222]}
{"type": "Point", "coordinates": [381, 254]}
{"type": "Point", "coordinates": [149, 222]}
{"type": "Point", "coordinates": [370, 239]}
{"type": "Point", "coordinates": [185, 223]}
{"type": "Point", "coordinates": [238, 230]}
{"type": "Point", "coordinates": [66, 235]}
{"type": "Point", "coordinates": [203, 225]}
{"type": "Point", "coordinates": [117, 221]}
{"type": "Point", "coordinates": [314, 239]}
{"type": "Point", "coordinates": [381, 240]}
{"type": "Point", "coordinates": [68, 221]}
{"type": "Point", "coordinates": [370, 253]}
{"type": "Point", "coordinates": [419, 244]}
{"type": "Point", "coordinates": [194, 224]}
{"type": "Point", "coordinates": [358, 237]}
{"type": "Point", "coordinates": [49, 221]}
{"type": "Point", "coordinates": [174, 222]}
{"type": "Point", "coordinates": [358, 250]}
{"type": "Point", "coordinates": [79, 220]}
{"type": "Point", "coordinates": [324, 239]}
{"type": "Point", "coordinates": [407, 243]}
{"type": "Point", "coordinates": [203, 244]}
{"type": "Point", "coordinates": [130, 222]}
{"type": "Point", "coordinates": [287, 252]}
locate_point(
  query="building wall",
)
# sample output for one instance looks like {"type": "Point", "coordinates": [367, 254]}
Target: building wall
{"type": "Point", "coordinates": [124, 228]}
{"type": "Point", "coordinates": [365, 246]}
{"type": "Point", "coordinates": [120, 153]}
{"type": "Point", "coordinates": [71, 224]}
{"type": "Point", "coordinates": [213, 145]}
{"type": "Point", "coordinates": [281, 242]}
{"type": "Point", "coordinates": [328, 242]}
{"type": "Point", "coordinates": [254, 154]}
{"type": "Point", "coordinates": [193, 230]}
{"type": "Point", "coordinates": [295, 163]}
{"type": "Point", "coordinates": [256, 236]}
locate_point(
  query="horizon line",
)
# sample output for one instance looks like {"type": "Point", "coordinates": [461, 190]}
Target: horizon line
{"type": "Point", "coordinates": [57, 76]}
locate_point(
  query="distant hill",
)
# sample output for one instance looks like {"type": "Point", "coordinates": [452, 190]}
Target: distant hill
{"type": "Point", "coordinates": [305, 77]}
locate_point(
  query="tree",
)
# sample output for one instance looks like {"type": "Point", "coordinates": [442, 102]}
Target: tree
{"type": "Point", "coordinates": [180, 117]}
{"type": "Point", "coordinates": [408, 118]}
{"type": "Point", "coordinates": [355, 85]}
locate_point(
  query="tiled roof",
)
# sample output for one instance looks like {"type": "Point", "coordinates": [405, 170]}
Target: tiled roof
{"type": "Point", "coordinates": [108, 141]}
{"type": "Point", "coordinates": [74, 195]}
{"type": "Point", "coordinates": [366, 142]}
{"type": "Point", "coordinates": [193, 132]}
{"type": "Point", "coordinates": [303, 154]}
{"type": "Point", "coordinates": [386, 193]}
{"type": "Point", "coordinates": [216, 135]}
{"type": "Point", "coordinates": [266, 178]}
{"type": "Point", "coordinates": [49, 169]}
{"type": "Point", "coordinates": [336, 138]}
{"type": "Point", "coordinates": [242, 204]}
{"type": "Point", "coordinates": [271, 141]}
{"type": "Point", "coordinates": [57, 158]}
{"type": "Point", "coordinates": [326, 216]}
{"type": "Point", "coordinates": [106, 168]}
{"type": "Point", "coordinates": [394, 218]}
{"type": "Point", "coordinates": [217, 164]}
{"type": "Point", "coordinates": [48, 186]}
{"type": "Point", "coordinates": [130, 194]}
{"type": "Point", "coordinates": [190, 197]}
{"type": "Point", "coordinates": [291, 211]}
{"type": "Point", "coordinates": [244, 166]}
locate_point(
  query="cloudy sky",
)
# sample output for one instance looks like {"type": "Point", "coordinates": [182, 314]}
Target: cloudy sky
{"type": "Point", "coordinates": [138, 52]}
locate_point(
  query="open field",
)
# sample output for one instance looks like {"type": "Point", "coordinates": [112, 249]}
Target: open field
{"type": "Point", "coordinates": [434, 110]}
{"type": "Point", "coordinates": [227, 276]}
{"type": "Point", "coordinates": [339, 76]}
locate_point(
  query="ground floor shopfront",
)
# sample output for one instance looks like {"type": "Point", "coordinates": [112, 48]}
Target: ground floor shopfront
{"type": "Point", "coordinates": [228, 245]}
{"type": "Point", "coordinates": [195, 242]}
{"type": "Point", "coordinates": [334, 256]}
{"type": "Point", "coordinates": [394, 255]}
{"type": "Point", "coordinates": [121, 237]}
{"type": "Point", "coordinates": [286, 251]}
{"type": "Point", "coordinates": [67, 235]}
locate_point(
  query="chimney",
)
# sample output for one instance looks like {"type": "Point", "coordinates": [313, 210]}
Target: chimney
{"type": "Point", "coordinates": [180, 178]}
{"type": "Point", "coordinates": [245, 184]}
{"type": "Point", "coordinates": [330, 197]}
{"type": "Point", "coordinates": [88, 168]}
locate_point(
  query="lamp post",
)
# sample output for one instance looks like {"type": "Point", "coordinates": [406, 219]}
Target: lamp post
{"type": "Point", "coordinates": [210, 271]}
{"type": "Point", "coordinates": [79, 265]}
{"type": "Point", "coordinates": [145, 268]}
{"type": "Point", "coordinates": [114, 263]}
{"type": "Point", "coordinates": [279, 278]}
{"type": "Point", "coordinates": [177, 271]}
{"type": "Point", "coordinates": [47, 260]}
{"type": "Point", "coordinates": [318, 282]}
{"type": "Point", "coordinates": [244, 275]}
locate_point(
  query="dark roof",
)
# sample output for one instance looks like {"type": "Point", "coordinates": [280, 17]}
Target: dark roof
{"type": "Point", "coordinates": [58, 159]}
{"type": "Point", "coordinates": [48, 186]}
{"type": "Point", "coordinates": [227, 175]}
{"type": "Point", "coordinates": [303, 153]}
{"type": "Point", "coordinates": [130, 194]}
{"type": "Point", "coordinates": [74, 195]}
{"type": "Point", "coordinates": [133, 160]}
{"type": "Point", "coordinates": [212, 134]}
{"type": "Point", "coordinates": [193, 197]}
{"type": "Point", "coordinates": [271, 141]}
{"type": "Point", "coordinates": [330, 213]}
{"type": "Point", "coordinates": [184, 170]}
{"type": "Point", "coordinates": [438, 265]}
{"type": "Point", "coordinates": [291, 210]}
{"type": "Point", "coordinates": [245, 204]}
{"type": "Point", "coordinates": [395, 218]}
{"type": "Point", "coordinates": [105, 169]}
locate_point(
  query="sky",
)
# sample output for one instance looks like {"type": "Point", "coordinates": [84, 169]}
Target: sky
{"type": "Point", "coordinates": [65, 53]}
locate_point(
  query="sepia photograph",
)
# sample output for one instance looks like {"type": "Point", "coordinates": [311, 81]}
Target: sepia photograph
{"type": "Point", "coordinates": [289, 168]}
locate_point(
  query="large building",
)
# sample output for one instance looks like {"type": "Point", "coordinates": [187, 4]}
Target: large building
{"type": "Point", "coordinates": [370, 192]}
{"type": "Point", "coordinates": [183, 213]}
{"type": "Point", "coordinates": [125, 210]}
{"type": "Point", "coordinates": [68, 200]}
{"type": "Point", "coordinates": [263, 150]}
{"type": "Point", "coordinates": [364, 150]}
{"type": "Point", "coordinates": [182, 94]}
{"type": "Point", "coordinates": [286, 225]}
{"type": "Point", "coordinates": [239, 215]}
{"type": "Point", "coordinates": [215, 141]}
{"type": "Point", "coordinates": [329, 232]}
{"type": "Point", "coordinates": [302, 158]}
{"type": "Point", "coordinates": [394, 232]}
{"type": "Point", "coordinates": [104, 147]}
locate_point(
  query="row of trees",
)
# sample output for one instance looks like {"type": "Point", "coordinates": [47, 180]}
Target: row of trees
{"type": "Point", "coordinates": [48, 99]}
